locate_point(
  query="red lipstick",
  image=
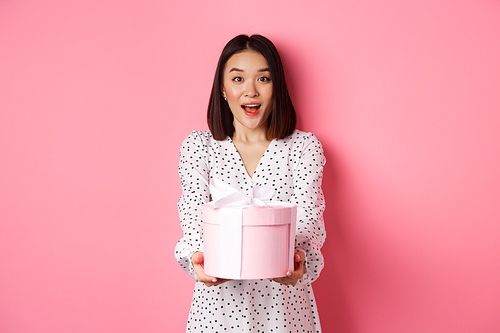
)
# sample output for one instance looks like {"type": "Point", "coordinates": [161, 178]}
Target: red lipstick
{"type": "Point", "coordinates": [251, 109]}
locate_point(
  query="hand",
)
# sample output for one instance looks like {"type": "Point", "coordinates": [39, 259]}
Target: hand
{"type": "Point", "coordinates": [197, 260]}
{"type": "Point", "coordinates": [291, 278]}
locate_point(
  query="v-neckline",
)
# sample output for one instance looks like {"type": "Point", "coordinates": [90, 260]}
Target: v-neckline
{"type": "Point", "coordinates": [243, 163]}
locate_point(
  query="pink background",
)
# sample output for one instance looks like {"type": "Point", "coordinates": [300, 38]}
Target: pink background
{"type": "Point", "coordinates": [96, 97]}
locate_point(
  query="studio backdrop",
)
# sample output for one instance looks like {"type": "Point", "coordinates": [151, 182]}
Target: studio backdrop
{"type": "Point", "coordinates": [97, 96]}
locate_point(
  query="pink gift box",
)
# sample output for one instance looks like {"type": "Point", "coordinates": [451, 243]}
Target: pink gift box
{"type": "Point", "coordinates": [250, 242]}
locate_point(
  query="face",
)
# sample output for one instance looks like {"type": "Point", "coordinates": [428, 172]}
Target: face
{"type": "Point", "coordinates": [249, 90]}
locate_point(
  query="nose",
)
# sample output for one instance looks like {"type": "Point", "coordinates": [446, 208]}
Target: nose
{"type": "Point", "coordinates": [251, 90]}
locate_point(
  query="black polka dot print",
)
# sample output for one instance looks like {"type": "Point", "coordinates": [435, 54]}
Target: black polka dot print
{"type": "Point", "coordinates": [294, 167]}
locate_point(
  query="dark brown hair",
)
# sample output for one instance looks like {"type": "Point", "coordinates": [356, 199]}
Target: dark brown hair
{"type": "Point", "coordinates": [282, 119]}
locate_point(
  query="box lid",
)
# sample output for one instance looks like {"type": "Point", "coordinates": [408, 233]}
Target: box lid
{"type": "Point", "coordinates": [278, 213]}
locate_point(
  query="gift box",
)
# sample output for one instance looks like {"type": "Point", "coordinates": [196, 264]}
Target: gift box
{"type": "Point", "coordinates": [248, 236]}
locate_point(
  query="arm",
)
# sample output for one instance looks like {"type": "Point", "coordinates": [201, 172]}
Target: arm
{"type": "Point", "coordinates": [194, 175]}
{"type": "Point", "coordinates": [308, 196]}
{"type": "Point", "coordinates": [194, 178]}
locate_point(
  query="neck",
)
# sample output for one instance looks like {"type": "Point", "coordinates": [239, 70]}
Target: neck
{"type": "Point", "coordinates": [250, 135]}
{"type": "Point", "coordinates": [243, 134]}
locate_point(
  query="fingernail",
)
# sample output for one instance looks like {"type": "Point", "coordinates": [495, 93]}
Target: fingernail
{"type": "Point", "coordinates": [214, 280]}
{"type": "Point", "coordinates": [288, 274]}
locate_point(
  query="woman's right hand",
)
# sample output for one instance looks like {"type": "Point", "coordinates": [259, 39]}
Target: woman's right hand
{"type": "Point", "coordinates": [197, 260]}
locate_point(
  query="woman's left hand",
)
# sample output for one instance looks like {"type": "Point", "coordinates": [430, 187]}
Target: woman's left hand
{"type": "Point", "coordinates": [292, 277]}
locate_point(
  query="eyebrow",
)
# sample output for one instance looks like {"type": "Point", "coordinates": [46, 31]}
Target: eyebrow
{"type": "Point", "coordinates": [235, 69]}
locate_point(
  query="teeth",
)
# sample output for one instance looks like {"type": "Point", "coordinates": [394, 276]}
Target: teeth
{"type": "Point", "coordinates": [252, 105]}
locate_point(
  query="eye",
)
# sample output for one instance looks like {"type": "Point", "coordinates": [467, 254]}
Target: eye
{"type": "Point", "coordinates": [264, 79]}
{"type": "Point", "coordinates": [238, 79]}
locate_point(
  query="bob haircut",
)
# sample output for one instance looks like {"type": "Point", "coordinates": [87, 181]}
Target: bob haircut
{"type": "Point", "coordinates": [282, 119]}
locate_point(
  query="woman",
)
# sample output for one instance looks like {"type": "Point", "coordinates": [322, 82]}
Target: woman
{"type": "Point", "coordinates": [253, 141]}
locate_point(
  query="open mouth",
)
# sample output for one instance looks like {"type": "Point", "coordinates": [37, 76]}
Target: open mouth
{"type": "Point", "coordinates": [251, 108]}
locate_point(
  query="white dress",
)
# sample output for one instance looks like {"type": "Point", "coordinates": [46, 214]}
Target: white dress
{"type": "Point", "coordinates": [294, 167]}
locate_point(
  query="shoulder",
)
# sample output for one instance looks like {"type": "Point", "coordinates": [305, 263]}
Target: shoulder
{"type": "Point", "coordinates": [201, 142]}
{"type": "Point", "coordinates": [198, 135]}
{"type": "Point", "coordinates": [305, 146]}
{"type": "Point", "coordinates": [302, 139]}
{"type": "Point", "coordinates": [196, 139]}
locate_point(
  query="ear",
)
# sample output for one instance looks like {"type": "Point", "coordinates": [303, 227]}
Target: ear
{"type": "Point", "coordinates": [224, 92]}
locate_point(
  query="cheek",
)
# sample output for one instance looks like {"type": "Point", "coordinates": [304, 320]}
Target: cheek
{"type": "Point", "coordinates": [269, 94]}
{"type": "Point", "coordinates": [269, 98]}
{"type": "Point", "coordinates": [232, 93]}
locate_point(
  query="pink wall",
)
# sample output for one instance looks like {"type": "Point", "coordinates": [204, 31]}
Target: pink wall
{"type": "Point", "coordinates": [96, 97]}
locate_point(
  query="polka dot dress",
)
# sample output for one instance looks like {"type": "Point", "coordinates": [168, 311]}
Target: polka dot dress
{"type": "Point", "coordinates": [294, 167]}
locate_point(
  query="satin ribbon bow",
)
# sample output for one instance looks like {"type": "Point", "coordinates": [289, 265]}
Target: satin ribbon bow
{"type": "Point", "coordinates": [224, 194]}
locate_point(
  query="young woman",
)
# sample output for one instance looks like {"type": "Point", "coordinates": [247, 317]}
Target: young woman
{"type": "Point", "coordinates": [253, 141]}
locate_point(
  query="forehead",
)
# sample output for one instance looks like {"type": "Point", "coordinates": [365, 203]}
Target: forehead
{"type": "Point", "coordinates": [247, 60]}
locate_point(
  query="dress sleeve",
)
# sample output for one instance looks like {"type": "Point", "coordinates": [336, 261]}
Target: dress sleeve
{"type": "Point", "coordinates": [194, 177]}
{"type": "Point", "coordinates": [308, 196]}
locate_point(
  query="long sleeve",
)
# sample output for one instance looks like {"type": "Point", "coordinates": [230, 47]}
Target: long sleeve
{"type": "Point", "coordinates": [308, 196]}
{"type": "Point", "coordinates": [194, 178]}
